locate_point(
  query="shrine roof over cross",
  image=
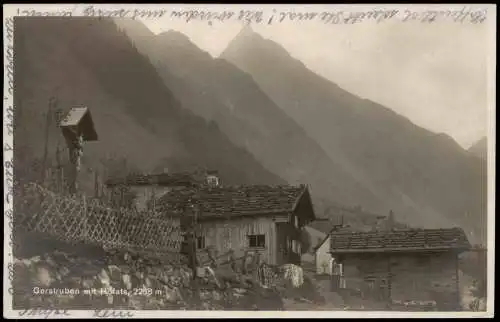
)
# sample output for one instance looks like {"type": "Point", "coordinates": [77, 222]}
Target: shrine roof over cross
{"type": "Point", "coordinates": [80, 119]}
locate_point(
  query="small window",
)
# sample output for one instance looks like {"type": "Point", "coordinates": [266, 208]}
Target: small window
{"type": "Point", "coordinates": [296, 246]}
{"type": "Point", "coordinates": [256, 240]}
{"type": "Point", "coordinates": [200, 242]}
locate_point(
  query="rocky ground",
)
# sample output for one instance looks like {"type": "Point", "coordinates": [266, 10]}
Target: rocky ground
{"type": "Point", "coordinates": [147, 283]}
{"type": "Point", "coordinates": [131, 282]}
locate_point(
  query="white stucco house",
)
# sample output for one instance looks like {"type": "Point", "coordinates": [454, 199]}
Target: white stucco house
{"type": "Point", "coordinates": [319, 254]}
{"type": "Point", "coordinates": [322, 257]}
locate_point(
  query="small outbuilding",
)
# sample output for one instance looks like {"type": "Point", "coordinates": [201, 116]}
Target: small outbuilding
{"type": "Point", "coordinates": [409, 267]}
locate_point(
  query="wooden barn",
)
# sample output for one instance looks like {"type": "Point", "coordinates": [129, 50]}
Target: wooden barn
{"type": "Point", "coordinates": [322, 230]}
{"type": "Point", "coordinates": [258, 219]}
{"type": "Point", "coordinates": [411, 267]}
{"type": "Point", "coordinates": [146, 188]}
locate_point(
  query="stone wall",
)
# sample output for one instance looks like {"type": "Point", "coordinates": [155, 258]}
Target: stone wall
{"type": "Point", "coordinates": [122, 280]}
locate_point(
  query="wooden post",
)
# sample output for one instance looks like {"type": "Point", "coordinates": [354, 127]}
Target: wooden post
{"type": "Point", "coordinates": [46, 147]}
{"type": "Point", "coordinates": [96, 184]}
{"type": "Point", "coordinates": [194, 261]}
{"type": "Point", "coordinates": [75, 152]}
{"type": "Point", "coordinates": [63, 181]}
{"type": "Point", "coordinates": [59, 168]}
{"type": "Point", "coordinates": [77, 127]}
{"type": "Point", "coordinates": [46, 182]}
{"type": "Point", "coordinates": [457, 284]}
{"type": "Point", "coordinates": [389, 282]}
{"type": "Point", "coordinates": [212, 257]}
{"type": "Point", "coordinates": [84, 218]}
{"type": "Point", "coordinates": [153, 200]}
{"type": "Point", "coordinates": [244, 267]}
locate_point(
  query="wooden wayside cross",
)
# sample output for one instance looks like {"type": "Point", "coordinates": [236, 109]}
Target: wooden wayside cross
{"type": "Point", "coordinates": [77, 127]}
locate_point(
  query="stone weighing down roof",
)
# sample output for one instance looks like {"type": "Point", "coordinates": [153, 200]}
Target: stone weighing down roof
{"type": "Point", "coordinates": [223, 202]}
{"type": "Point", "coordinates": [399, 240]}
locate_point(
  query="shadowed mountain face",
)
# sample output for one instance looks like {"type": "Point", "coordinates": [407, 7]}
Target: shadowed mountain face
{"type": "Point", "coordinates": [426, 178]}
{"type": "Point", "coordinates": [90, 62]}
{"type": "Point", "coordinates": [480, 148]}
{"type": "Point", "coordinates": [220, 92]}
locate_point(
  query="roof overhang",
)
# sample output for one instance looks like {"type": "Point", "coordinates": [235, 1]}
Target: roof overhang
{"type": "Point", "coordinates": [305, 197]}
{"type": "Point", "coordinates": [399, 250]}
{"type": "Point", "coordinates": [79, 120]}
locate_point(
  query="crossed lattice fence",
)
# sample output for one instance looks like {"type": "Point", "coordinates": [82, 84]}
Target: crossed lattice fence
{"type": "Point", "coordinates": [78, 219]}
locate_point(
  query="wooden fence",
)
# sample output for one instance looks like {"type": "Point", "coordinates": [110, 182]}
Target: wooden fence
{"type": "Point", "coordinates": [249, 263]}
{"type": "Point", "coordinates": [55, 180]}
{"type": "Point", "coordinates": [89, 220]}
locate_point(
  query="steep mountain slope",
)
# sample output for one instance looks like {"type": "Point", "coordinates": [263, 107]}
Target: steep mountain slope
{"type": "Point", "coordinates": [427, 178]}
{"type": "Point", "coordinates": [480, 148]}
{"type": "Point", "coordinates": [219, 91]}
{"type": "Point", "coordinates": [90, 62]}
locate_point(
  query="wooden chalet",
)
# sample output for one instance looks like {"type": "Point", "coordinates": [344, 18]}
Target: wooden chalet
{"type": "Point", "coordinates": [410, 267]}
{"type": "Point", "coordinates": [246, 219]}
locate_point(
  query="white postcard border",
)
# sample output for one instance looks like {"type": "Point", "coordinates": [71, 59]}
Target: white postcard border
{"type": "Point", "coordinates": [12, 10]}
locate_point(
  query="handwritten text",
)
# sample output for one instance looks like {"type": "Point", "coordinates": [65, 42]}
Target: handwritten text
{"type": "Point", "coordinates": [112, 314]}
{"type": "Point", "coordinates": [269, 17]}
{"type": "Point", "coordinates": [44, 313]}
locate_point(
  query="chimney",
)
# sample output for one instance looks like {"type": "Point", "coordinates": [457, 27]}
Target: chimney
{"type": "Point", "coordinates": [390, 221]}
{"type": "Point", "coordinates": [213, 179]}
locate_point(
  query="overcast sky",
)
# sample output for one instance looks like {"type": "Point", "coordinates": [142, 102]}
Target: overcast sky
{"type": "Point", "coordinates": [434, 74]}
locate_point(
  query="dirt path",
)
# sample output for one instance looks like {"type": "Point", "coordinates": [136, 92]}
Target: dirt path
{"type": "Point", "coordinates": [291, 305]}
{"type": "Point", "coordinates": [333, 302]}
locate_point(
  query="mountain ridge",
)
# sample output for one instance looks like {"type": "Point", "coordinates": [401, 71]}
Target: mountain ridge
{"type": "Point", "coordinates": [479, 148]}
{"type": "Point", "coordinates": [219, 91]}
{"type": "Point", "coordinates": [137, 117]}
{"type": "Point", "coordinates": [432, 179]}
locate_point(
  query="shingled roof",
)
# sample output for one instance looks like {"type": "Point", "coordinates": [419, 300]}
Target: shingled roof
{"type": "Point", "coordinates": [399, 240]}
{"type": "Point", "coordinates": [162, 179]}
{"type": "Point", "coordinates": [230, 201]}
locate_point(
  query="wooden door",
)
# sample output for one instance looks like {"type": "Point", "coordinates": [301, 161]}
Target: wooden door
{"type": "Point", "coordinates": [337, 275]}
{"type": "Point", "coordinates": [281, 254]}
